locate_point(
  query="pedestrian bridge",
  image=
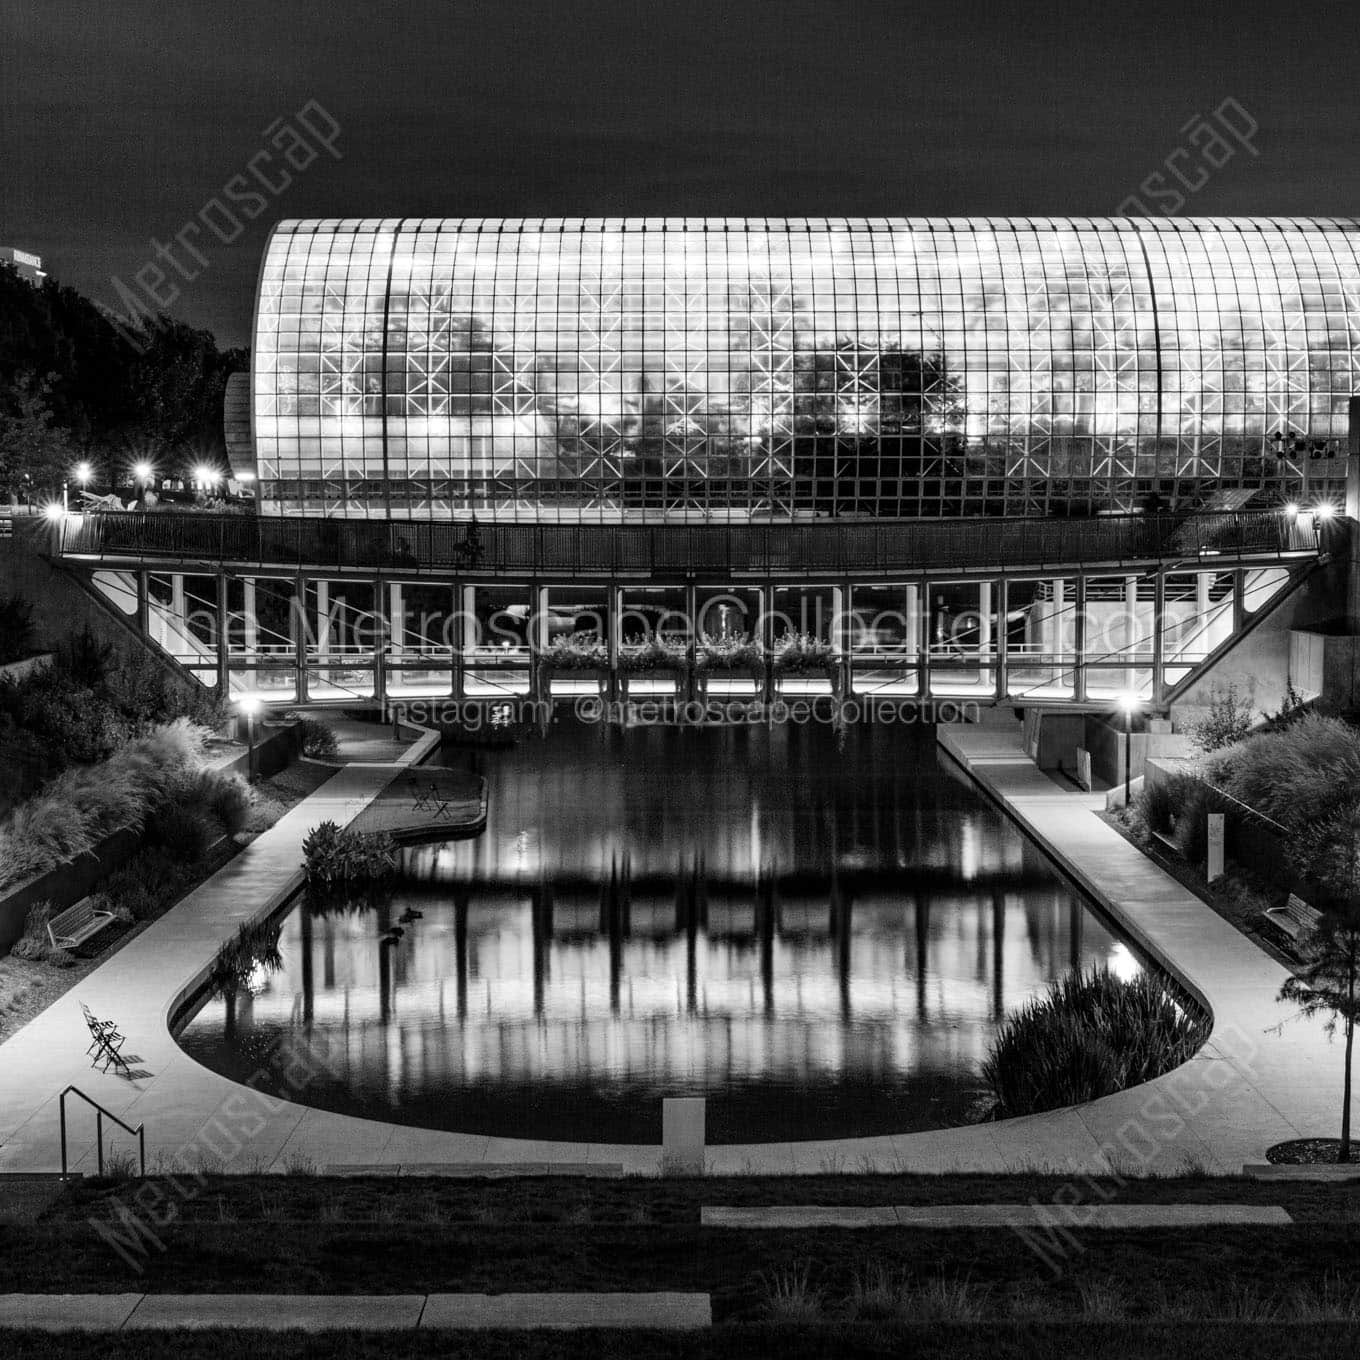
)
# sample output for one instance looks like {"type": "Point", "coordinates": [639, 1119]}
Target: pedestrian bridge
{"type": "Point", "coordinates": [1071, 613]}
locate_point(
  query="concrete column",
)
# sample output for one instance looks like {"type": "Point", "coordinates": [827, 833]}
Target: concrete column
{"type": "Point", "coordinates": [323, 616]}
{"type": "Point", "coordinates": [1003, 602]}
{"type": "Point", "coordinates": [1079, 639]}
{"type": "Point", "coordinates": [1056, 628]}
{"type": "Point", "coordinates": [1158, 640]}
{"type": "Point", "coordinates": [1130, 631]}
{"type": "Point", "coordinates": [177, 627]}
{"type": "Point", "coordinates": [223, 654]}
{"type": "Point", "coordinates": [985, 675]}
{"type": "Point", "coordinates": [396, 616]}
{"type": "Point", "coordinates": [250, 619]}
{"type": "Point", "coordinates": [613, 622]}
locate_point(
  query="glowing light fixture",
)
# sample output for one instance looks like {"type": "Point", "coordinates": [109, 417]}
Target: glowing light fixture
{"type": "Point", "coordinates": [83, 473]}
{"type": "Point", "coordinates": [143, 472]}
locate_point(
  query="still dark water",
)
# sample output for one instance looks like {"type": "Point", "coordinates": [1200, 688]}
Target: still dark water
{"type": "Point", "coordinates": [820, 937]}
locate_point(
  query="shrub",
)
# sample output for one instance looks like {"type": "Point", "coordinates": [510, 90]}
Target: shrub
{"type": "Point", "coordinates": [35, 951]}
{"type": "Point", "coordinates": [60, 958]}
{"type": "Point", "coordinates": [16, 628]}
{"type": "Point", "coordinates": [85, 659]}
{"type": "Point", "coordinates": [1092, 1034]}
{"type": "Point", "coordinates": [185, 831]}
{"type": "Point", "coordinates": [333, 855]}
{"type": "Point", "coordinates": [318, 741]}
{"type": "Point", "coordinates": [1228, 721]}
{"type": "Point", "coordinates": [227, 797]}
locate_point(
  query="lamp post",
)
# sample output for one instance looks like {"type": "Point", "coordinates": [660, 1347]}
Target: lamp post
{"type": "Point", "coordinates": [249, 708]}
{"type": "Point", "coordinates": [1128, 702]}
{"type": "Point", "coordinates": [143, 474]}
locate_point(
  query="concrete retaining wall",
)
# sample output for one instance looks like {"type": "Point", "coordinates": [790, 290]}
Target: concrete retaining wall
{"type": "Point", "coordinates": [30, 665]}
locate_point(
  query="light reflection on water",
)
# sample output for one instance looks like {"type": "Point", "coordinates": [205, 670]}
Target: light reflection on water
{"type": "Point", "coordinates": [821, 940]}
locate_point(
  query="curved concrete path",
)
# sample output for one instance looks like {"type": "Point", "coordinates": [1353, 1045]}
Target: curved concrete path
{"type": "Point", "coordinates": [1247, 1089]}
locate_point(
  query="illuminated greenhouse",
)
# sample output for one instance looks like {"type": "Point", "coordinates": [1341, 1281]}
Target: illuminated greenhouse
{"type": "Point", "coordinates": [656, 370]}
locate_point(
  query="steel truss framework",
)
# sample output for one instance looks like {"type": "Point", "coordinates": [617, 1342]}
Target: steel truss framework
{"type": "Point", "coordinates": [597, 370]}
{"type": "Point", "coordinates": [1062, 637]}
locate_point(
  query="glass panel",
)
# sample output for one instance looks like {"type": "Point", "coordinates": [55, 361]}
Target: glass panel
{"type": "Point", "coordinates": [1041, 630]}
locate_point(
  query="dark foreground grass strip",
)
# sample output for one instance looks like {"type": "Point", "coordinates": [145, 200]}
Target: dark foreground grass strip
{"type": "Point", "coordinates": [733, 1266]}
{"type": "Point", "coordinates": [550, 1199]}
{"type": "Point", "coordinates": [1179, 1341]}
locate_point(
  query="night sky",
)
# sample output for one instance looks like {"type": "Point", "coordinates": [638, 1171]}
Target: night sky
{"type": "Point", "coordinates": [119, 121]}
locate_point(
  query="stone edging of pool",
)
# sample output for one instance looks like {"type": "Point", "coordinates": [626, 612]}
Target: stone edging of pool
{"type": "Point", "coordinates": [1222, 1108]}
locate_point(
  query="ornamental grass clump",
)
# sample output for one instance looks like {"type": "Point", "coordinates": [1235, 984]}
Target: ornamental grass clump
{"type": "Point", "coordinates": [82, 806]}
{"type": "Point", "coordinates": [730, 654]}
{"type": "Point", "coordinates": [576, 652]}
{"type": "Point", "coordinates": [1297, 775]}
{"type": "Point", "coordinates": [802, 654]}
{"type": "Point", "coordinates": [653, 655]}
{"type": "Point", "coordinates": [1091, 1035]}
{"type": "Point", "coordinates": [333, 854]}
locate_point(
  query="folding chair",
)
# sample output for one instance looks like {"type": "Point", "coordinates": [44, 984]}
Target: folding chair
{"type": "Point", "coordinates": [108, 1051]}
{"type": "Point", "coordinates": [98, 1028]}
{"type": "Point", "coordinates": [421, 796]}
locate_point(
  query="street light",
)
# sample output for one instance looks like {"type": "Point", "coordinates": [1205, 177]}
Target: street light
{"type": "Point", "coordinates": [206, 476]}
{"type": "Point", "coordinates": [1128, 702]}
{"type": "Point", "coordinates": [249, 708]}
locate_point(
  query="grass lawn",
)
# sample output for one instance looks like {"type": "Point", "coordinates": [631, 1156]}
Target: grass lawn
{"type": "Point", "coordinates": [576, 1201]}
{"type": "Point", "coordinates": [314, 1235]}
{"type": "Point", "coordinates": [1179, 1341]}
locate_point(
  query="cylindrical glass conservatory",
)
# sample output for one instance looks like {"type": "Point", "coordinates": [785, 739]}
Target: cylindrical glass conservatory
{"type": "Point", "coordinates": [748, 369]}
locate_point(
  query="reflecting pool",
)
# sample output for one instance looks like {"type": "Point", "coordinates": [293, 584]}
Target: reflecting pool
{"type": "Point", "coordinates": [819, 934]}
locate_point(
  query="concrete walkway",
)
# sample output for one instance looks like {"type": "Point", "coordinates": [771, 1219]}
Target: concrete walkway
{"type": "Point", "coordinates": [191, 1115]}
{"type": "Point", "coordinates": [1248, 1088]}
{"type": "Point", "coordinates": [1113, 1216]}
{"type": "Point", "coordinates": [354, 1312]}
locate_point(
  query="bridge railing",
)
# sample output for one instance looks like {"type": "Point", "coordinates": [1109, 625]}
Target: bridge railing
{"type": "Point", "coordinates": [813, 549]}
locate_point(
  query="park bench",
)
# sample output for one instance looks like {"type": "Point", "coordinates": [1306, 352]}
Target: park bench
{"type": "Point", "coordinates": [1296, 918]}
{"type": "Point", "coordinates": [76, 924]}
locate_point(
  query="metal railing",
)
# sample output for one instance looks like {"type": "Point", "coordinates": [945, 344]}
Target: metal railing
{"type": "Point", "coordinates": [717, 550]}
{"type": "Point", "coordinates": [139, 1133]}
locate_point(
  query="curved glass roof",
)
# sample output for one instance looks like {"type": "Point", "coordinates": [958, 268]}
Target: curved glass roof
{"type": "Point", "coordinates": [731, 368]}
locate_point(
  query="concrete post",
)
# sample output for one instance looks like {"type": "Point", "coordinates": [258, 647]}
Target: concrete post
{"type": "Point", "coordinates": [176, 627]}
{"type": "Point", "coordinates": [323, 616]}
{"type": "Point", "coordinates": [682, 1136]}
{"type": "Point", "coordinates": [911, 609]}
{"type": "Point", "coordinates": [396, 617]}
{"type": "Point", "coordinates": [985, 630]}
{"type": "Point", "coordinates": [1130, 631]}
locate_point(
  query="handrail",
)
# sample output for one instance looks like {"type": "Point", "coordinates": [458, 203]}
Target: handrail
{"type": "Point", "coordinates": [794, 548]}
{"type": "Point", "coordinates": [139, 1132]}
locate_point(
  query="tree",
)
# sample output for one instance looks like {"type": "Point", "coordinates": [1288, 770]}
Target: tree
{"type": "Point", "coordinates": [34, 450]}
{"type": "Point", "coordinates": [1227, 722]}
{"type": "Point", "coordinates": [1328, 983]}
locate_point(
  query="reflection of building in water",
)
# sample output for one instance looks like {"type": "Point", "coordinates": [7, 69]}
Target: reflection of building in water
{"type": "Point", "coordinates": [570, 987]}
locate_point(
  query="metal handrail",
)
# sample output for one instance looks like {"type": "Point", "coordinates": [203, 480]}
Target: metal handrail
{"type": "Point", "coordinates": [806, 548]}
{"type": "Point", "coordinates": [139, 1132]}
